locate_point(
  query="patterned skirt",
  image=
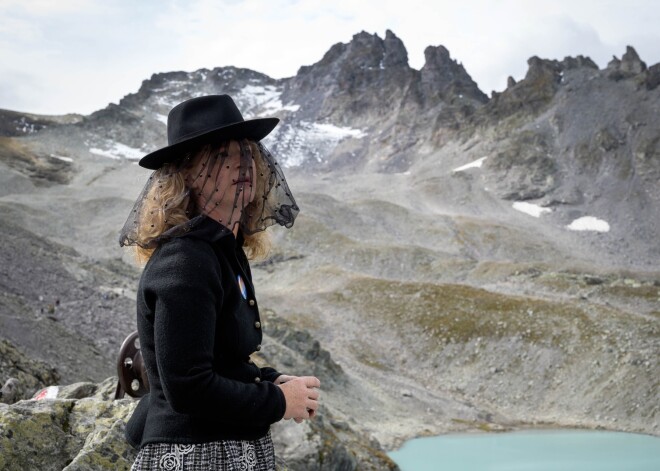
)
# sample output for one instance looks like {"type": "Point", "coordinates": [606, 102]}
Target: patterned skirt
{"type": "Point", "coordinates": [222, 455]}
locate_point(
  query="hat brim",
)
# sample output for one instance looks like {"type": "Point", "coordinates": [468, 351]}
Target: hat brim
{"type": "Point", "coordinates": [255, 129]}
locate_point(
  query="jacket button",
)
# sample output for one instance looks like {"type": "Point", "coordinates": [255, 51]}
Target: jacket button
{"type": "Point", "coordinates": [251, 302]}
{"type": "Point", "coordinates": [258, 347]}
{"type": "Point", "coordinates": [257, 379]}
{"type": "Point", "coordinates": [257, 325]}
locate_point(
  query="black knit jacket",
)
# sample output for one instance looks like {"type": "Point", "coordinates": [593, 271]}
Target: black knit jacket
{"type": "Point", "coordinates": [197, 331]}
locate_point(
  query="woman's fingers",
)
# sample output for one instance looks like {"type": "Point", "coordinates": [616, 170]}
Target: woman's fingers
{"type": "Point", "coordinates": [311, 405]}
{"type": "Point", "coordinates": [301, 395]}
{"type": "Point", "coordinates": [311, 381]}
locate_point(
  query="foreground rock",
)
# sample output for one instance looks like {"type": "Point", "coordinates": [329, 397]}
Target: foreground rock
{"type": "Point", "coordinates": [20, 376]}
{"type": "Point", "coordinates": [69, 432]}
{"type": "Point", "coordinates": [83, 429]}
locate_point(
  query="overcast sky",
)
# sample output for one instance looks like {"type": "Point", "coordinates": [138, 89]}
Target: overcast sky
{"type": "Point", "coordinates": [59, 56]}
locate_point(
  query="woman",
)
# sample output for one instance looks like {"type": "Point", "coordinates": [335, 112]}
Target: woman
{"type": "Point", "coordinates": [214, 191]}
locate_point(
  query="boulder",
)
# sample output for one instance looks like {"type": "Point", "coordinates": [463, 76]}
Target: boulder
{"type": "Point", "coordinates": [21, 376]}
{"type": "Point", "coordinates": [65, 434]}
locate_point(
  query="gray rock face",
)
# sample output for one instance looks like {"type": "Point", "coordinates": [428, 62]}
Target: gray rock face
{"type": "Point", "coordinates": [629, 65]}
{"type": "Point", "coordinates": [352, 81]}
{"type": "Point", "coordinates": [57, 305]}
{"type": "Point", "coordinates": [368, 84]}
{"type": "Point", "coordinates": [395, 54]}
{"type": "Point", "coordinates": [42, 169]}
{"type": "Point", "coordinates": [444, 78]}
{"type": "Point", "coordinates": [570, 137]}
{"type": "Point", "coordinates": [297, 350]}
{"type": "Point", "coordinates": [138, 120]}
{"type": "Point", "coordinates": [536, 90]}
{"type": "Point", "coordinates": [325, 444]}
{"type": "Point", "coordinates": [653, 77]}
{"type": "Point", "coordinates": [14, 123]}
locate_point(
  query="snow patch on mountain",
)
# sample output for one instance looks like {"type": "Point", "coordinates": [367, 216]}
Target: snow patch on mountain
{"type": "Point", "coordinates": [25, 127]}
{"type": "Point", "coordinates": [62, 158]}
{"type": "Point", "coordinates": [262, 100]}
{"type": "Point", "coordinates": [589, 223]}
{"type": "Point", "coordinates": [200, 75]}
{"type": "Point", "coordinates": [170, 85]}
{"type": "Point", "coordinates": [118, 151]}
{"type": "Point", "coordinates": [530, 208]}
{"type": "Point", "coordinates": [336, 132]}
{"type": "Point", "coordinates": [275, 106]}
{"type": "Point", "coordinates": [307, 141]}
{"type": "Point", "coordinates": [170, 100]}
{"type": "Point", "coordinates": [475, 164]}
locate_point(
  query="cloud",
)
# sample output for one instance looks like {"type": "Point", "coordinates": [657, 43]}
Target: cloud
{"type": "Point", "coordinates": [19, 29]}
{"type": "Point", "coordinates": [44, 7]}
{"type": "Point", "coordinates": [250, 34]}
{"type": "Point", "coordinates": [88, 53]}
{"type": "Point", "coordinates": [20, 89]}
{"type": "Point", "coordinates": [548, 38]}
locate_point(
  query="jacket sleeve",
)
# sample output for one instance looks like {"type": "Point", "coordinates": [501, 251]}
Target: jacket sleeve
{"type": "Point", "coordinates": [135, 425]}
{"type": "Point", "coordinates": [269, 374]}
{"type": "Point", "coordinates": [186, 288]}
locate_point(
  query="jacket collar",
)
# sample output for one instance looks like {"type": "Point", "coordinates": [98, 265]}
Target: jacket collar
{"type": "Point", "coordinates": [212, 231]}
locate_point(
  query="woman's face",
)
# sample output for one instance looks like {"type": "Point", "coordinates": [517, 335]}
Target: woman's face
{"type": "Point", "coordinates": [223, 181]}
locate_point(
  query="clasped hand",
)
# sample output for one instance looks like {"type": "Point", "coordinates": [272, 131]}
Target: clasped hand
{"type": "Point", "coordinates": [301, 394]}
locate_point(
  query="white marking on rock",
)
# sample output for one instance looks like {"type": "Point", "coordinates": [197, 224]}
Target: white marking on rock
{"type": "Point", "coordinates": [47, 393]}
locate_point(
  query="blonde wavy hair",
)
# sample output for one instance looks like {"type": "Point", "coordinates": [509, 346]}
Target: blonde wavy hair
{"type": "Point", "coordinates": [166, 204]}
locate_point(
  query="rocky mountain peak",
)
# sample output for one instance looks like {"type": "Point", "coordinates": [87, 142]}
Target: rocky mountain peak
{"type": "Point", "coordinates": [551, 70]}
{"type": "Point", "coordinates": [577, 62]}
{"type": "Point", "coordinates": [537, 88]}
{"type": "Point", "coordinates": [629, 65]}
{"type": "Point", "coordinates": [364, 51]}
{"type": "Point", "coordinates": [542, 70]}
{"type": "Point", "coordinates": [351, 78]}
{"type": "Point", "coordinates": [441, 75]}
{"type": "Point", "coordinates": [367, 83]}
{"type": "Point", "coordinates": [395, 52]}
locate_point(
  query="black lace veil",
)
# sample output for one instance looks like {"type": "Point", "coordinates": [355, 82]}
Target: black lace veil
{"type": "Point", "coordinates": [233, 182]}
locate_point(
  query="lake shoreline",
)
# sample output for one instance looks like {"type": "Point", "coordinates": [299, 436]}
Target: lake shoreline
{"type": "Point", "coordinates": [486, 428]}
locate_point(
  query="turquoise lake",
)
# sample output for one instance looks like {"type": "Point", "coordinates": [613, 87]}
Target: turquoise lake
{"type": "Point", "coordinates": [537, 450]}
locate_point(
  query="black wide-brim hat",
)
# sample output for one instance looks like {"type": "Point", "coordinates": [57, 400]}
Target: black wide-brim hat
{"type": "Point", "coordinates": [211, 118]}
